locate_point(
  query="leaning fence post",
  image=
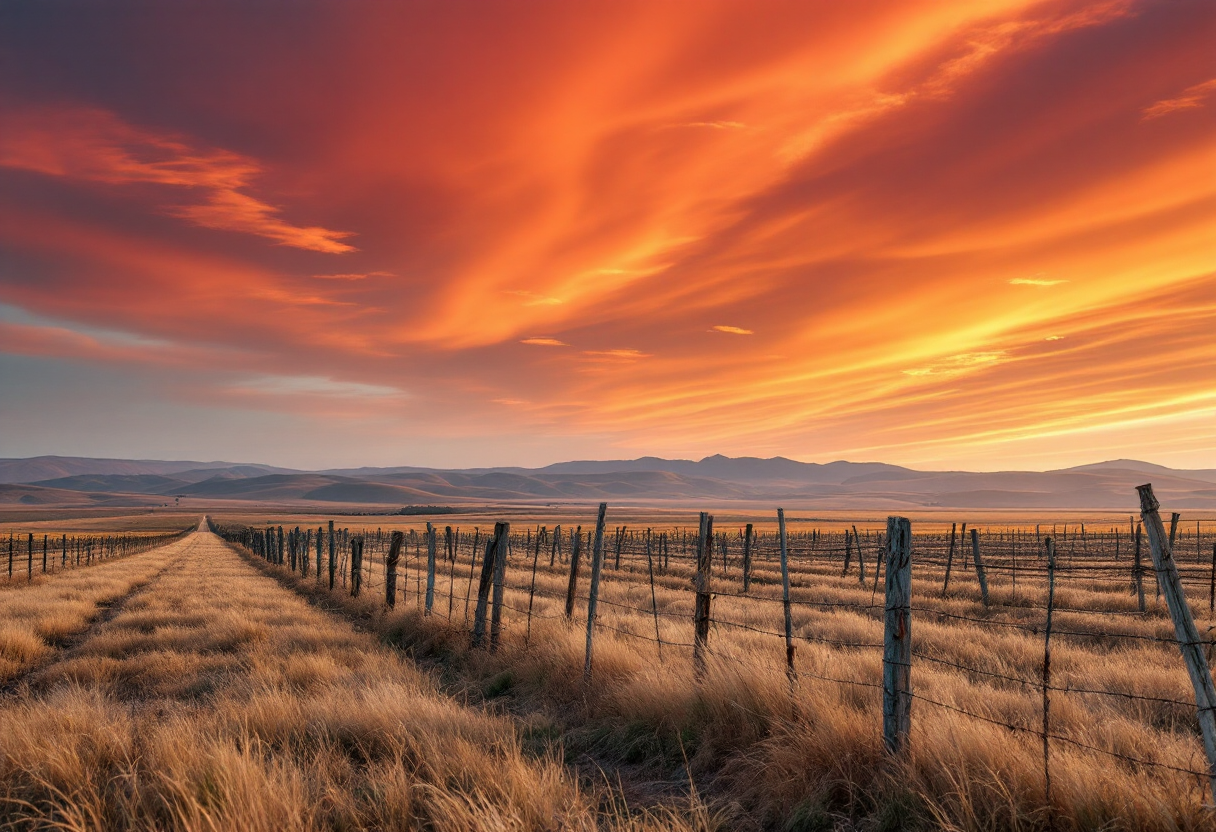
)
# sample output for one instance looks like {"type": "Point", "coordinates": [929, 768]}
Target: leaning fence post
{"type": "Point", "coordinates": [785, 599]}
{"type": "Point", "coordinates": [897, 638]}
{"type": "Point", "coordinates": [575, 554]}
{"type": "Point", "coordinates": [1184, 625]}
{"type": "Point", "coordinates": [979, 565]}
{"type": "Point", "coordinates": [597, 562]}
{"type": "Point", "coordinates": [502, 550]}
{"type": "Point", "coordinates": [950, 558]}
{"type": "Point", "coordinates": [705, 556]}
{"type": "Point", "coordinates": [390, 569]}
{"type": "Point", "coordinates": [483, 592]}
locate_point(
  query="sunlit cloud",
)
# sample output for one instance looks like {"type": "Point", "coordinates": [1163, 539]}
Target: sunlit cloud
{"type": "Point", "coordinates": [1190, 99]}
{"type": "Point", "coordinates": [544, 342]}
{"type": "Point", "coordinates": [1035, 281]}
{"type": "Point", "coordinates": [94, 145]}
{"type": "Point", "coordinates": [732, 330]}
{"type": "Point", "coordinates": [623, 355]}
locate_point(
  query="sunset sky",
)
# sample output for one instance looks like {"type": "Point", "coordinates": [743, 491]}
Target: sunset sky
{"type": "Point", "coordinates": [976, 234]}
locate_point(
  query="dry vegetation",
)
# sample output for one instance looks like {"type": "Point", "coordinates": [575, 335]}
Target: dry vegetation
{"type": "Point", "coordinates": [214, 698]}
{"type": "Point", "coordinates": [814, 758]}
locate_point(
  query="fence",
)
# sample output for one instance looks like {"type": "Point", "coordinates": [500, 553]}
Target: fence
{"type": "Point", "coordinates": [31, 553]}
{"type": "Point", "coordinates": [1010, 622]}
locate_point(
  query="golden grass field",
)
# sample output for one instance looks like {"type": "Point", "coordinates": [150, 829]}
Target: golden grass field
{"type": "Point", "coordinates": [198, 687]}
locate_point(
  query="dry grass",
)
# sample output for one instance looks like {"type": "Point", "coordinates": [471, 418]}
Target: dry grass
{"type": "Point", "coordinates": [216, 700]}
{"type": "Point", "coordinates": [813, 758]}
{"type": "Point", "coordinates": [36, 619]}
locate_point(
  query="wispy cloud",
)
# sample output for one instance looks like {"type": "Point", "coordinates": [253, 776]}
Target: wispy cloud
{"type": "Point", "coordinates": [623, 355]}
{"type": "Point", "coordinates": [533, 299]}
{"type": "Point", "coordinates": [1190, 98]}
{"type": "Point", "coordinates": [732, 330]}
{"type": "Point", "coordinates": [544, 342]}
{"type": "Point", "coordinates": [961, 363]}
{"type": "Point", "coordinates": [94, 145]}
{"type": "Point", "coordinates": [1035, 281]}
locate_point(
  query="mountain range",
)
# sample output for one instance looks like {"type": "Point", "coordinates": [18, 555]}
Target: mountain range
{"type": "Point", "coordinates": [76, 481]}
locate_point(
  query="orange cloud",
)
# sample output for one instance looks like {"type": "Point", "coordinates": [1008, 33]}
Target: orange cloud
{"type": "Point", "coordinates": [1190, 99]}
{"type": "Point", "coordinates": [95, 145]}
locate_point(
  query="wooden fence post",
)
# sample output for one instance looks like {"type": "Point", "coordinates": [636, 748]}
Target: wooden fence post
{"type": "Point", "coordinates": [597, 562]}
{"type": "Point", "coordinates": [848, 553]}
{"type": "Point", "coordinates": [483, 593]}
{"type": "Point", "coordinates": [575, 554]}
{"type": "Point", "coordinates": [701, 617]}
{"type": "Point", "coordinates": [979, 565]}
{"type": "Point", "coordinates": [333, 561]}
{"type": "Point", "coordinates": [785, 599]}
{"type": "Point", "coordinates": [502, 551]}
{"type": "Point", "coordinates": [390, 569]}
{"type": "Point", "coordinates": [1184, 625]}
{"type": "Point", "coordinates": [430, 567]}
{"type": "Point", "coordinates": [44, 554]}
{"type": "Point", "coordinates": [897, 639]}
{"type": "Point", "coordinates": [747, 558]}
{"type": "Point", "coordinates": [950, 557]}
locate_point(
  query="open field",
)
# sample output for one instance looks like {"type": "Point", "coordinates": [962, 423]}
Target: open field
{"type": "Point", "coordinates": [225, 701]}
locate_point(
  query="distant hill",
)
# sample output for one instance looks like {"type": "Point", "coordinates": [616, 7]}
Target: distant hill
{"type": "Point", "coordinates": [832, 485]}
{"type": "Point", "coordinates": [40, 468]}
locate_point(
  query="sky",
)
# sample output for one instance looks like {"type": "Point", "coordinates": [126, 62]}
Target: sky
{"type": "Point", "coordinates": [975, 234]}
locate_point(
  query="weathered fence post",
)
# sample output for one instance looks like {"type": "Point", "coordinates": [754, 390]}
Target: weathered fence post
{"type": "Point", "coordinates": [950, 557]}
{"type": "Point", "coordinates": [1212, 589]}
{"type": "Point", "coordinates": [785, 599]}
{"type": "Point", "coordinates": [44, 554]}
{"type": "Point", "coordinates": [897, 639]}
{"type": "Point", "coordinates": [390, 569]}
{"type": "Point", "coordinates": [747, 558]}
{"type": "Point", "coordinates": [502, 551]}
{"type": "Point", "coordinates": [848, 553]}
{"type": "Point", "coordinates": [430, 567]}
{"type": "Point", "coordinates": [979, 565]}
{"type": "Point", "coordinates": [1184, 625]}
{"type": "Point", "coordinates": [575, 554]}
{"type": "Point", "coordinates": [484, 585]}
{"type": "Point", "coordinates": [701, 617]}
{"type": "Point", "coordinates": [597, 562]}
